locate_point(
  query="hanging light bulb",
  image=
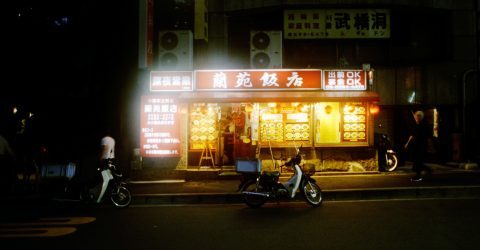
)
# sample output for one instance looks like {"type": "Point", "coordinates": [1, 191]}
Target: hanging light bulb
{"type": "Point", "coordinates": [374, 109]}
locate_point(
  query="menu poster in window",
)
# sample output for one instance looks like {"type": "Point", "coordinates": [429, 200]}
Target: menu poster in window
{"type": "Point", "coordinates": [354, 122]}
{"type": "Point", "coordinates": [160, 132]}
{"type": "Point", "coordinates": [203, 126]}
{"type": "Point", "coordinates": [272, 128]}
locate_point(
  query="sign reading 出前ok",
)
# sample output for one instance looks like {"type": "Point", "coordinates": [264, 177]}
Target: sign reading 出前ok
{"type": "Point", "coordinates": [344, 80]}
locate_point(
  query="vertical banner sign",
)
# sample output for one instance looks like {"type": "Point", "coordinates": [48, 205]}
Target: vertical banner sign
{"type": "Point", "coordinates": [160, 128]}
{"type": "Point", "coordinates": [145, 34]}
{"type": "Point", "coordinates": [150, 33]}
{"type": "Point", "coordinates": [201, 20]}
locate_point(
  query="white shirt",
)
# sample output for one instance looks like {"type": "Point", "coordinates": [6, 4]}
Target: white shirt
{"type": "Point", "coordinates": [108, 146]}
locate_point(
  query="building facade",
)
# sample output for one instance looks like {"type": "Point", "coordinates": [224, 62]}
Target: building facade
{"type": "Point", "coordinates": [420, 55]}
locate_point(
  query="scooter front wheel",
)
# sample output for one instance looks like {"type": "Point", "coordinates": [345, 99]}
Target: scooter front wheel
{"type": "Point", "coordinates": [392, 162]}
{"type": "Point", "coordinates": [253, 201]}
{"type": "Point", "coordinates": [121, 197]}
{"type": "Point", "coordinates": [312, 193]}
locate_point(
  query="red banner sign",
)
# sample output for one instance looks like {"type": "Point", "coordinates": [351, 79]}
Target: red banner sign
{"type": "Point", "coordinates": [344, 80]}
{"type": "Point", "coordinates": [160, 132]}
{"type": "Point", "coordinates": [241, 80]}
{"type": "Point", "coordinates": [171, 81]}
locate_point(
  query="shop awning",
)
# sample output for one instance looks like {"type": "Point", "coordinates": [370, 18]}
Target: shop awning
{"type": "Point", "coordinates": [277, 96]}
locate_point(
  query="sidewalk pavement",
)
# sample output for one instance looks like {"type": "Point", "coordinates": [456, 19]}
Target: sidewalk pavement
{"type": "Point", "coordinates": [445, 182]}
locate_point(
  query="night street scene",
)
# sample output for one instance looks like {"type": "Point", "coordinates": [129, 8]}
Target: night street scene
{"type": "Point", "coordinates": [240, 124]}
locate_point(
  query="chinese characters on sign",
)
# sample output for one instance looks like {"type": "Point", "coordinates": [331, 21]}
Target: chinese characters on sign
{"type": "Point", "coordinates": [337, 23]}
{"type": "Point", "coordinates": [344, 80]}
{"type": "Point", "coordinates": [160, 133]}
{"type": "Point", "coordinates": [258, 79]}
{"type": "Point", "coordinates": [160, 126]}
{"type": "Point", "coordinates": [171, 81]}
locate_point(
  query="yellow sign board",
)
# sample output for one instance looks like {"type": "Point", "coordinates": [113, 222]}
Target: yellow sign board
{"type": "Point", "coordinates": [336, 23]}
{"type": "Point", "coordinates": [201, 20]}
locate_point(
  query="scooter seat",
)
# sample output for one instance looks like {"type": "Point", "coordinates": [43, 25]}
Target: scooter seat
{"type": "Point", "coordinates": [272, 173]}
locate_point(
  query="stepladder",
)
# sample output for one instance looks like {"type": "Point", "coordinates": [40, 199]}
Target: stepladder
{"type": "Point", "coordinates": [206, 156]}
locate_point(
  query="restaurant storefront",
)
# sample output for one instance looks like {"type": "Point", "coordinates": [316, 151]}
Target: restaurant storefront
{"type": "Point", "coordinates": [211, 118]}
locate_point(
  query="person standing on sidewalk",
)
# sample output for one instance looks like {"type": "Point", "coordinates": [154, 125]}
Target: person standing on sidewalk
{"type": "Point", "coordinates": [418, 141]}
{"type": "Point", "coordinates": [106, 154]}
{"type": "Point", "coordinates": [107, 144]}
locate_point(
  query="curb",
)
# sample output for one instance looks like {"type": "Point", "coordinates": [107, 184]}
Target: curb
{"type": "Point", "coordinates": [444, 192]}
{"type": "Point", "coordinates": [187, 198]}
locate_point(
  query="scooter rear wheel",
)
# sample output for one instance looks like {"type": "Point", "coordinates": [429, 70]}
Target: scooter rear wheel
{"type": "Point", "coordinates": [254, 201]}
{"type": "Point", "coordinates": [121, 197]}
{"type": "Point", "coordinates": [392, 162]}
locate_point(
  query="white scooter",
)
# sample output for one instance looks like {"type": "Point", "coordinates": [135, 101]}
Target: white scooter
{"type": "Point", "coordinates": [113, 186]}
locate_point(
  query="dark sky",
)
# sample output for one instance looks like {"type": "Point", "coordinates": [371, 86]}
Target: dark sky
{"type": "Point", "coordinates": [69, 62]}
{"type": "Point", "coordinates": [71, 48]}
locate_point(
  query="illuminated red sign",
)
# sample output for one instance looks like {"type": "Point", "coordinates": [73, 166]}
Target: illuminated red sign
{"type": "Point", "coordinates": [171, 81]}
{"type": "Point", "coordinates": [241, 80]}
{"type": "Point", "coordinates": [344, 80]}
{"type": "Point", "coordinates": [160, 132]}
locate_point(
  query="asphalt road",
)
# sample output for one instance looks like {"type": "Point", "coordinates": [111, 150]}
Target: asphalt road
{"type": "Point", "coordinates": [388, 224]}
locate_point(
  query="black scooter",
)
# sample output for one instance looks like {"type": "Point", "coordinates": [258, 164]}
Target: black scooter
{"type": "Point", "coordinates": [387, 156]}
{"type": "Point", "coordinates": [266, 185]}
